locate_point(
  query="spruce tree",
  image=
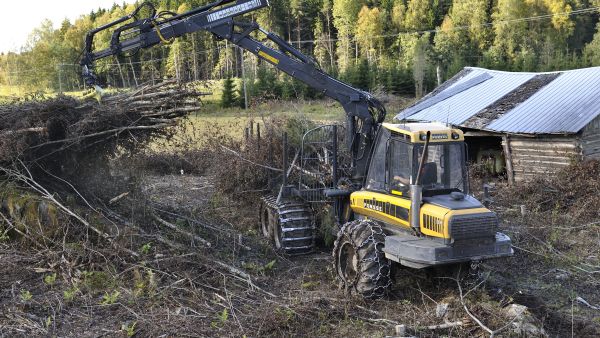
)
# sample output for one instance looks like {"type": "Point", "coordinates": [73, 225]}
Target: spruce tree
{"type": "Point", "coordinates": [228, 97]}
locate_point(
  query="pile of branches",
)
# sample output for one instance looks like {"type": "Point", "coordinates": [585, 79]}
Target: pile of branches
{"type": "Point", "coordinates": [35, 130]}
{"type": "Point", "coordinates": [572, 191]}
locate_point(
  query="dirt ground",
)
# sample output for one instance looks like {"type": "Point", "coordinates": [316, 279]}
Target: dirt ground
{"type": "Point", "coordinates": [239, 287]}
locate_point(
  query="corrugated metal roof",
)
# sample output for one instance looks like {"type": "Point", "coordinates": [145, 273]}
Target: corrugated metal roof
{"type": "Point", "coordinates": [565, 105]}
{"type": "Point", "coordinates": [460, 107]}
{"type": "Point", "coordinates": [451, 91]}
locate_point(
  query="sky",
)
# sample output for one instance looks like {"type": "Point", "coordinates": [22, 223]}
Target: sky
{"type": "Point", "coordinates": [18, 18]}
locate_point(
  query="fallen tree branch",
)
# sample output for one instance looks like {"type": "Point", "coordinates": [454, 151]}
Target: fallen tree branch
{"type": "Point", "coordinates": [479, 322]}
{"type": "Point", "coordinates": [249, 161]}
{"type": "Point", "coordinates": [111, 131]}
{"type": "Point", "coordinates": [26, 130]}
{"type": "Point", "coordinates": [181, 231]}
{"type": "Point", "coordinates": [492, 333]}
{"type": "Point", "coordinates": [584, 302]}
{"type": "Point", "coordinates": [246, 277]}
{"type": "Point", "coordinates": [28, 180]}
{"type": "Point", "coordinates": [448, 325]}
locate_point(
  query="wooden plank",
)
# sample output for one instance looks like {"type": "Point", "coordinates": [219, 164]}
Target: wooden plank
{"type": "Point", "coordinates": [542, 145]}
{"type": "Point", "coordinates": [508, 157]}
{"type": "Point", "coordinates": [594, 156]}
{"type": "Point", "coordinates": [543, 157]}
{"type": "Point", "coordinates": [590, 141]}
{"type": "Point", "coordinates": [566, 139]}
{"type": "Point", "coordinates": [540, 165]}
{"type": "Point", "coordinates": [565, 154]}
{"type": "Point", "coordinates": [590, 152]}
{"type": "Point", "coordinates": [537, 164]}
{"type": "Point", "coordinates": [561, 140]}
{"type": "Point", "coordinates": [548, 150]}
{"type": "Point", "coordinates": [593, 128]}
{"type": "Point", "coordinates": [546, 173]}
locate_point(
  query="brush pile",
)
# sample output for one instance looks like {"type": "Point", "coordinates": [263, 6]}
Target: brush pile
{"type": "Point", "coordinates": [35, 130]}
{"type": "Point", "coordinates": [572, 191]}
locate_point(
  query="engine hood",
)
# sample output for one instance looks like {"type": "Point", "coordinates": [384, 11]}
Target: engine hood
{"type": "Point", "coordinates": [446, 201]}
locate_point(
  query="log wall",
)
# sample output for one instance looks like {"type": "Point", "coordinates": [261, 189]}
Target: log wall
{"type": "Point", "coordinates": [541, 155]}
{"type": "Point", "coordinates": [590, 139]}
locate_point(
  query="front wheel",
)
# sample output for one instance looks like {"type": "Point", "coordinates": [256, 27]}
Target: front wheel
{"type": "Point", "coordinates": [359, 260]}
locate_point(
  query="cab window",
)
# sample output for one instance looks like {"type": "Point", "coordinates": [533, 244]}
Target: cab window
{"type": "Point", "coordinates": [376, 178]}
{"type": "Point", "coordinates": [400, 167]}
{"type": "Point", "coordinates": [444, 169]}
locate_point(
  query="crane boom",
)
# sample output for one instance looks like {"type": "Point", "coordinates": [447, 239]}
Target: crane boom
{"type": "Point", "coordinates": [364, 113]}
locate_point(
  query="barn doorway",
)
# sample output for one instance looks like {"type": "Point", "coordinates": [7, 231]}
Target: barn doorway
{"type": "Point", "coordinates": [486, 154]}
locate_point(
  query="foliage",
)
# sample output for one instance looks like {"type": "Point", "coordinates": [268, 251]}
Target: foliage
{"type": "Point", "coordinates": [110, 298]}
{"type": "Point", "coordinates": [228, 96]}
{"type": "Point", "coordinates": [391, 44]}
{"type": "Point", "coordinates": [50, 279]}
{"type": "Point", "coordinates": [69, 294]}
{"type": "Point", "coordinates": [222, 318]}
{"type": "Point", "coordinates": [145, 249]}
{"type": "Point", "coordinates": [26, 295]}
{"type": "Point", "coordinates": [129, 329]}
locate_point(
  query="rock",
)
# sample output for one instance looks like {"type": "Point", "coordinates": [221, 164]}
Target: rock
{"type": "Point", "coordinates": [441, 310]}
{"type": "Point", "coordinates": [401, 330]}
{"type": "Point", "coordinates": [523, 322]}
{"type": "Point", "coordinates": [515, 310]}
{"type": "Point", "coordinates": [560, 274]}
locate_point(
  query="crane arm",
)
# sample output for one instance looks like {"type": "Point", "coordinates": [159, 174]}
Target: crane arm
{"type": "Point", "coordinates": [364, 113]}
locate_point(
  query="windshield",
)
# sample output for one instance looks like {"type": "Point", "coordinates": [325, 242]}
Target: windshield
{"type": "Point", "coordinates": [444, 167]}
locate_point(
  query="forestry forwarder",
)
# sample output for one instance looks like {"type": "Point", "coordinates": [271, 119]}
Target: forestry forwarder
{"type": "Point", "coordinates": [404, 196]}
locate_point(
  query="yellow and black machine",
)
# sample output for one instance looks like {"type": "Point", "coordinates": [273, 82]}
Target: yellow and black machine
{"type": "Point", "coordinates": [414, 209]}
{"type": "Point", "coordinates": [402, 196]}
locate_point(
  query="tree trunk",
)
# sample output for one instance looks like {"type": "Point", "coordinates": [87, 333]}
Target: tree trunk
{"type": "Point", "coordinates": [440, 78]}
{"type": "Point", "coordinates": [299, 33]}
{"type": "Point", "coordinates": [133, 71]}
{"type": "Point", "coordinates": [121, 73]}
{"type": "Point", "coordinates": [195, 57]}
{"type": "Point", "coordinates": [330, 43]}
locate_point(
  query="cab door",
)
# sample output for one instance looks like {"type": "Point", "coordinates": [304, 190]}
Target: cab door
{"type": "Point", "coordinates": [382, 198]}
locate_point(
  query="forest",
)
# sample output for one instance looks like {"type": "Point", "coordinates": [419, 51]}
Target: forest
{"type": "Point", "coordinates": [150, 212]}
{"type": "Point", "coordinates": [404, 47]}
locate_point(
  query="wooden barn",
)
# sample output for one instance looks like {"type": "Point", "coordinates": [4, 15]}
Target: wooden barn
{"type": "Point", "coordinates": [521, 124]}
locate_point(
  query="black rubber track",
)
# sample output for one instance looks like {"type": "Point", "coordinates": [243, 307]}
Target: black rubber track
{"type": "Point", "coordinates": [292, 225]}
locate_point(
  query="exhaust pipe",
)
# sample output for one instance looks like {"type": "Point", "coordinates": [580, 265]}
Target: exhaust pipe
{"type": "Point", "coordinates": [416, 191]}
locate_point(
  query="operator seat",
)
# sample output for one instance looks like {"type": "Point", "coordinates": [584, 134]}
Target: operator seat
{"type": "Point", "coordinates": [430, 175]}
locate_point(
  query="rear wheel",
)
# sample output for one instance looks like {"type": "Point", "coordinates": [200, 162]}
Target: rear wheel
{"type": "Point", "coordinates": [359, 260]}
{"type": "Point", "coordinates": [289, 224]}
{"type": "Point", "coordinates": [266, 220]}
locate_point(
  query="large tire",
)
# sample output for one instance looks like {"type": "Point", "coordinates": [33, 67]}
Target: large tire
{"type": "Point", "coordinates": [288, 225]}
{"type": "Point", "coordinates": [359, 260]}
{"type": "Point", "coordinates": [266, 221]}
{"type": "Point", "coordinates": [294, 229]}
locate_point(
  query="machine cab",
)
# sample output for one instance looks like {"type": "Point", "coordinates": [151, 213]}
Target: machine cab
{"type": "Point", "coordinates": [429, 220]}
{"type": "Point", "coordinates": [397, 153]}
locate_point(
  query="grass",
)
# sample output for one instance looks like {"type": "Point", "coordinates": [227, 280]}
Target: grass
{"type": "Point", "coordinates": [12, 92]}
{"type": "Point", "coordinates": [234, 121]}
